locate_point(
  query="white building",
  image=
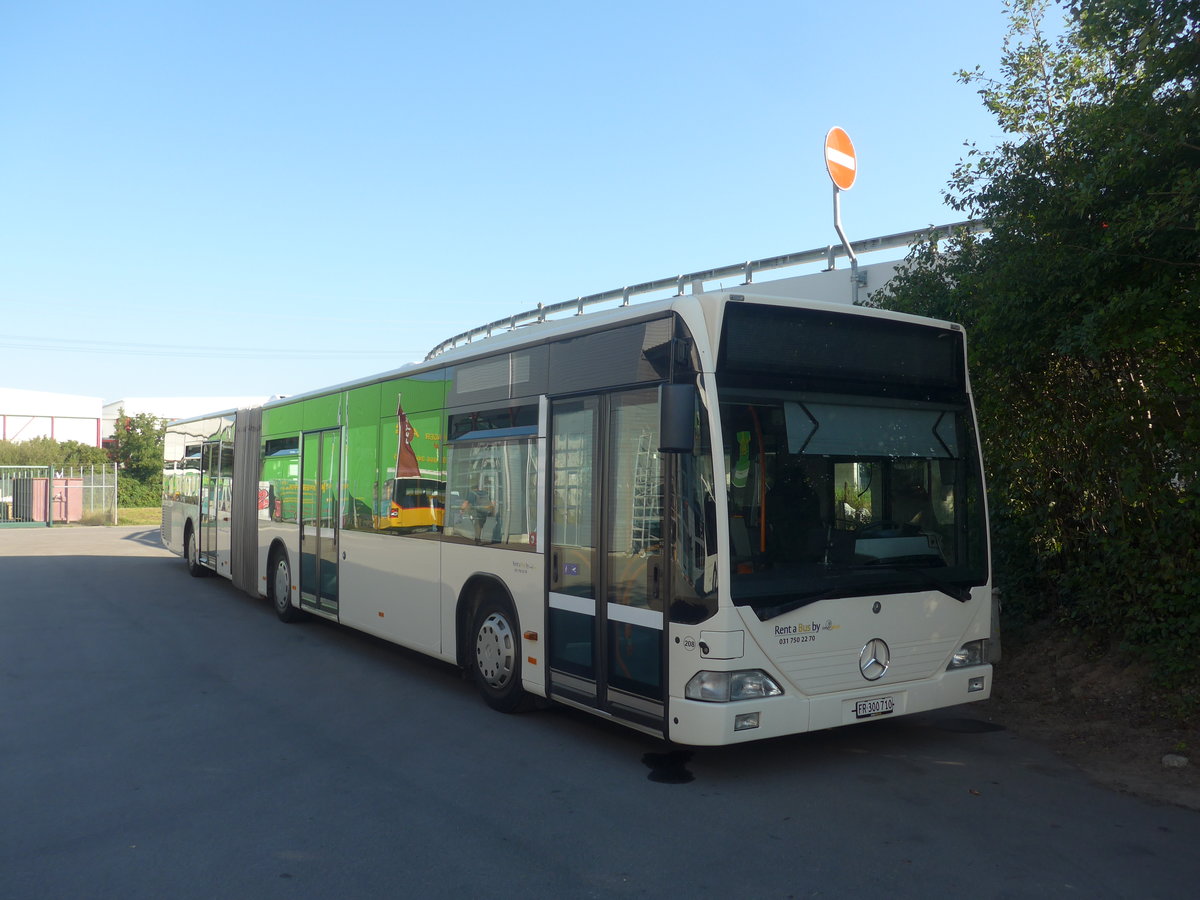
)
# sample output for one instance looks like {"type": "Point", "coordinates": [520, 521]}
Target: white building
{"type": "Point", "coordinates": [25, 415]}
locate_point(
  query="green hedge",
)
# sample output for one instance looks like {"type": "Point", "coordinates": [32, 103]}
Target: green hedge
{"type": "Point", "coordinates": [134, 492]}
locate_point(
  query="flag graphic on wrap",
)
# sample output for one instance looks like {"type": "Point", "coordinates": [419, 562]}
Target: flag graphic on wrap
{"type": "Point", "coordinates": [406, 458]}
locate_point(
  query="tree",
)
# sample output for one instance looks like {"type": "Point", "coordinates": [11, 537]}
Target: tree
{"type": "Point", "coordinates": [138, 444]}
{"type": "Point", "coordinates": [1084, 316]}
{"type": "Point", "coordinates": [137, 447]}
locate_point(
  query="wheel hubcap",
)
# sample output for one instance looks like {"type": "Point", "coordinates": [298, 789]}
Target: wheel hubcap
{"type": "Point", "coordinates": [495, 651]}
{"type": "Point", "coordinates": [282, 586]}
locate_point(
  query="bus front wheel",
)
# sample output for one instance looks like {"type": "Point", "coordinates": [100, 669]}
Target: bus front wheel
{"type": "Point", "coordinates": [496, 656]}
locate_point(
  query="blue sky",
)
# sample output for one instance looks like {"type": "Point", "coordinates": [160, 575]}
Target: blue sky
{"type": "Point", "coordinates": [249, 197]}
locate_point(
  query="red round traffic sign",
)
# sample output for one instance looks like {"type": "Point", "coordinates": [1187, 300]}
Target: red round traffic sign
{"type": "Point", "coordinates": [840, 161]}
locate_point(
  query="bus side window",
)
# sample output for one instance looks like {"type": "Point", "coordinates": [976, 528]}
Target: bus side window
{"type": "Point", "coordinates": [281, 474]}
{"type": "Point", "coordinates": [492, 492]}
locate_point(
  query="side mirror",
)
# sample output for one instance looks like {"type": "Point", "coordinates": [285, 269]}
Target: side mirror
{"type": "Point", "coordinates": [676, 418]}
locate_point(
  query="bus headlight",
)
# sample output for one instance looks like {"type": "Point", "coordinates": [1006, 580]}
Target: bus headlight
{"type": "Point", "coordinates": [972, 653]}
{"type": "Point", "coordinates": [723, 687]}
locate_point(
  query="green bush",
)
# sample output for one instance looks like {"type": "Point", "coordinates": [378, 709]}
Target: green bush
{"type": "Point", "coordinates": [134, 492]}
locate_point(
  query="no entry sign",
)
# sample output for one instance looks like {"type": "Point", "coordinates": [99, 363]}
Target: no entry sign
{"type": "Point", "coordinates": [840, 161]}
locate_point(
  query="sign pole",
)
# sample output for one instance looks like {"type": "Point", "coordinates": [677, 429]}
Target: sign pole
{"type": "Point", "coordinates": [837, 226]}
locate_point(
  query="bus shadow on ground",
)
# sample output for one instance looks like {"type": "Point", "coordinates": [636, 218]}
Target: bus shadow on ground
{"type": "Point", "coordinates": [148, 537]}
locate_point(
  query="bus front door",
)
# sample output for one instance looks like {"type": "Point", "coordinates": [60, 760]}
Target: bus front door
{"type": "Point", "coordinates": [606, 586]}
{"type": "Point", "coordinates": [320, 489]}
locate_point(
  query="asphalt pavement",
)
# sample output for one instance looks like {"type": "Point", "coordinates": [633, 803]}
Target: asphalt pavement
{"type": "Point", "coordinates": [167, 737]}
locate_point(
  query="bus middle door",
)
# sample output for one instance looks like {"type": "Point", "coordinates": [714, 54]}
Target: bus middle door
{"type": "Point", "coordinates": [320, 492]}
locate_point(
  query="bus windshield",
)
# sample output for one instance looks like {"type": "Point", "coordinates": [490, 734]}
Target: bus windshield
{"type": "Point", "coordinates": [843, 496]}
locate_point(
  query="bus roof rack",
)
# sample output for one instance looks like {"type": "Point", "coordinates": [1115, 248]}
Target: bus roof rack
{"type": "Point", "coordinates": [697, 279]}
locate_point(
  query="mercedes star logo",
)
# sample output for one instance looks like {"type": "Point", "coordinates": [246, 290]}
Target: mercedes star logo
{"type": "Point", "coordinates": [874, 659]}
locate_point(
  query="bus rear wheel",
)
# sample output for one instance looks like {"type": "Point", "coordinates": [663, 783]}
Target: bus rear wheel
{"type": "Point", "coordinates": [191, 554]}
{"type": "Point", "coordinates": [496, 656]}
{"type": "Point", "coordinates": [280, 582]}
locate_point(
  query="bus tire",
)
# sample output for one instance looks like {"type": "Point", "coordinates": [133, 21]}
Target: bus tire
{"type": "Point", "coordinates": [496, 655]}
{"type": "Point", "coordinates": [191, 553]}
{"type": "Point", "coordinates": [280, 585]}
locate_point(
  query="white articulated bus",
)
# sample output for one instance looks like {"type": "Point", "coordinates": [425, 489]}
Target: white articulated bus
{"type": "Point", "coordinates": [714, 518]}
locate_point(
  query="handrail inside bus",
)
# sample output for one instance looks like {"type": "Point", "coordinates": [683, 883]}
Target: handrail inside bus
{"type": "Point", "coordinates": [697, 279]}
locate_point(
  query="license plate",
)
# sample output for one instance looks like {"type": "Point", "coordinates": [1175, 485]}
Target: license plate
{"type": "Point", "coordinates": [877, 706]}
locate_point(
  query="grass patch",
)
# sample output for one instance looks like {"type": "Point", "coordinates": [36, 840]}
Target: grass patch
{"type": "Point", "coordinates": [149, 515]}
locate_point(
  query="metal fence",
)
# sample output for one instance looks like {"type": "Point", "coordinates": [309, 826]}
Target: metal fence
{"type": "Point", "coordinates": [21, 501]}
{"type": "Point", "coordinates": [96, 492]}
{"type": "Point", "coordinates": [44, 495]}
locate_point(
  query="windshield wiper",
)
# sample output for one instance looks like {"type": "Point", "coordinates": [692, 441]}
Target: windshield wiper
{"type": "Point", "coordinates": [954, 591]}
{"type": "Point", "coordinates": [795, 601]}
